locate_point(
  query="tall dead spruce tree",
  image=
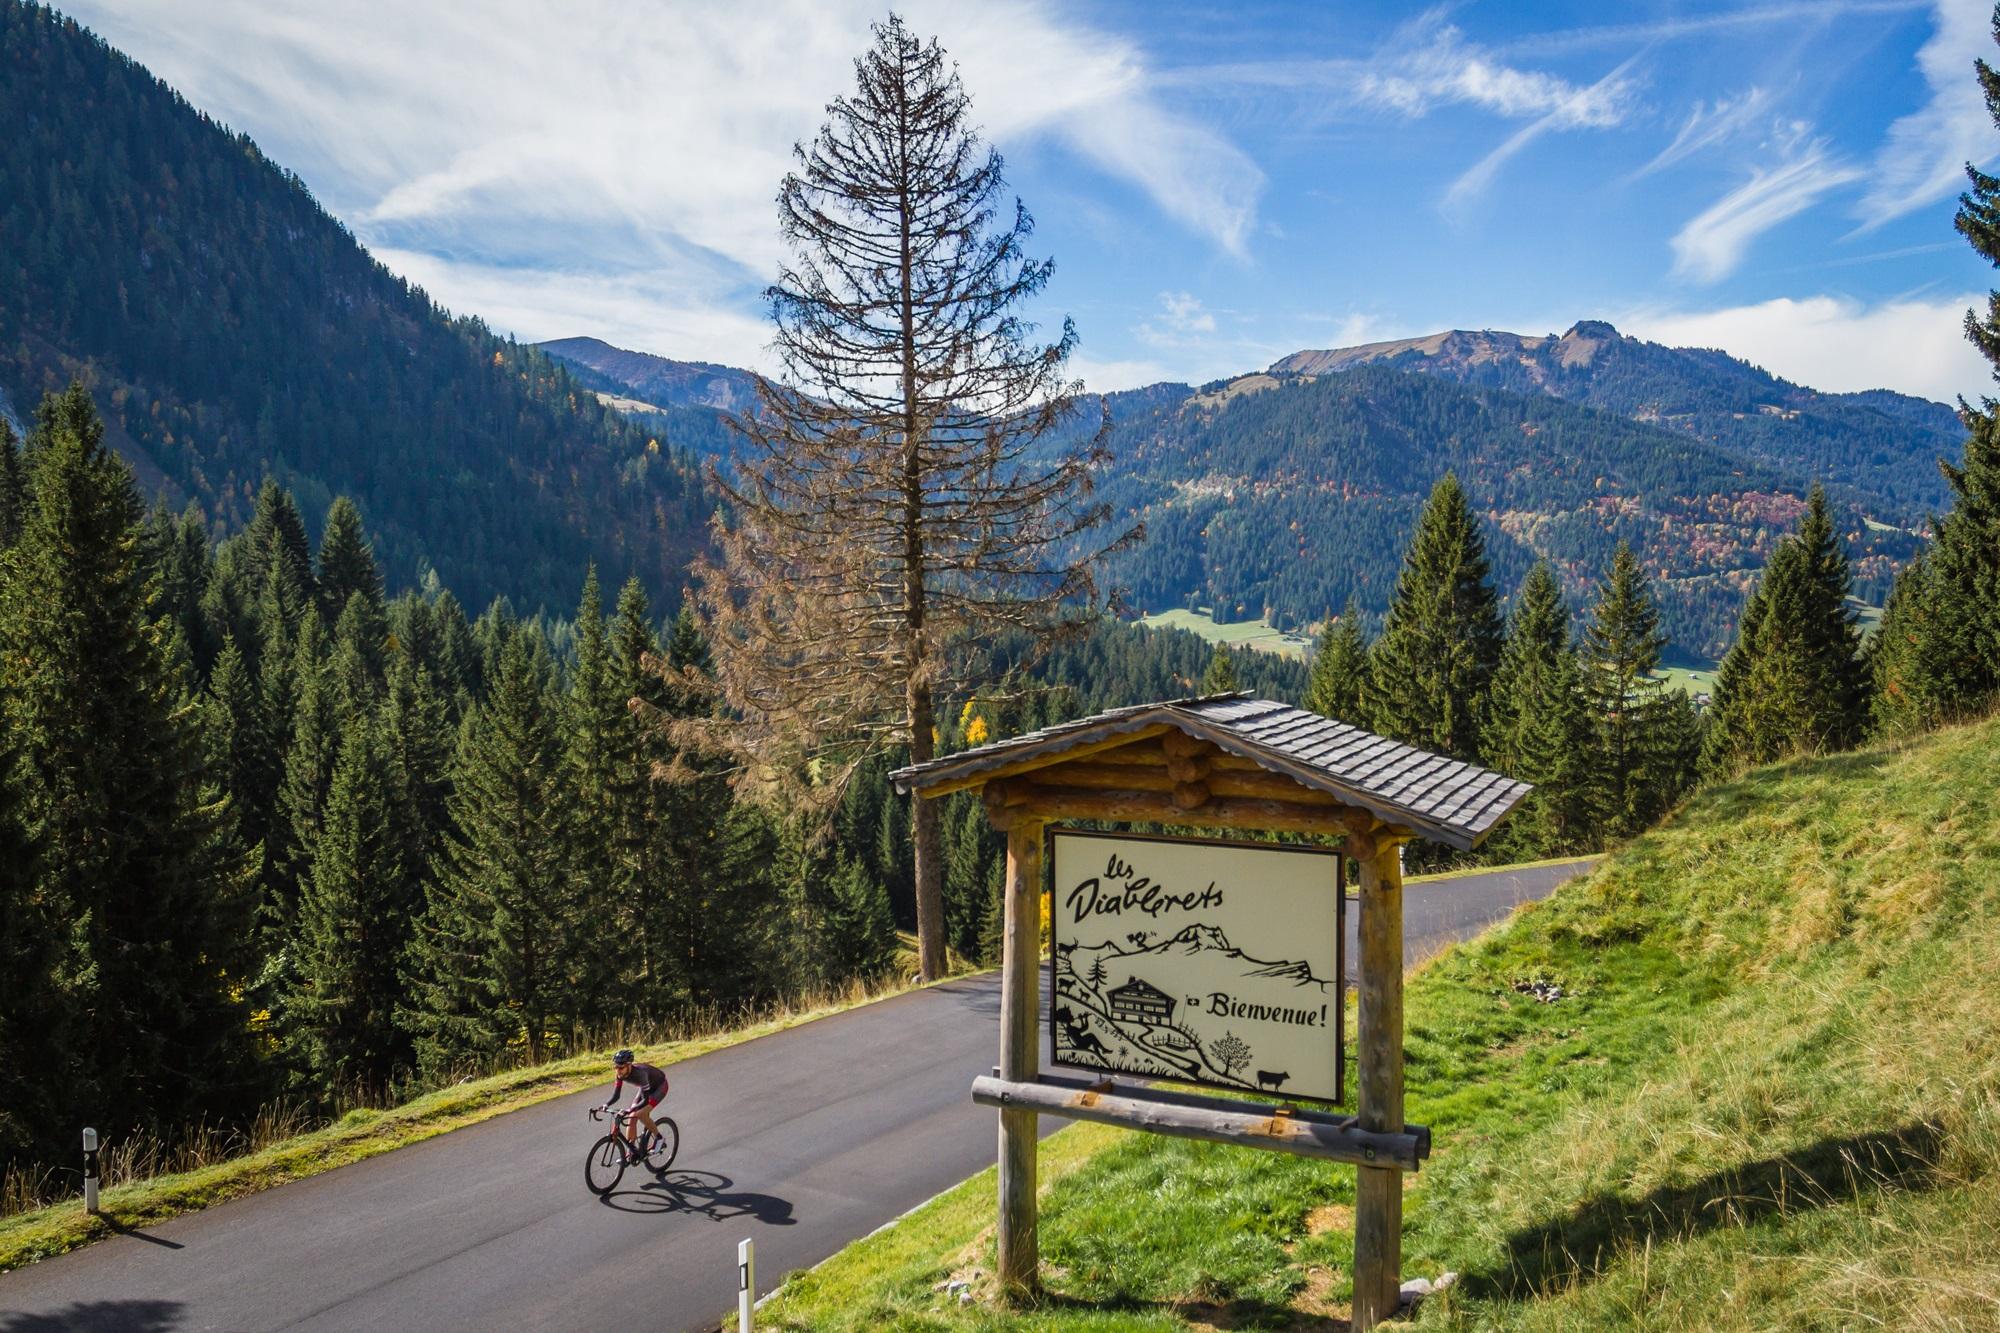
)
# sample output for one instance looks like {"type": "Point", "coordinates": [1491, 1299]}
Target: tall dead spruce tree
{"type": "Point", "coordinates": [887, 512]}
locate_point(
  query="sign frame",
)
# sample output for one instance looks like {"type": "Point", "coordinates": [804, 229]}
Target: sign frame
{"type": "Point", "coordinates": [1338, 855]}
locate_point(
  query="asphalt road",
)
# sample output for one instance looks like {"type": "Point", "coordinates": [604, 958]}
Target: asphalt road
{"type": "Point", "coordinates": [803, 1140]}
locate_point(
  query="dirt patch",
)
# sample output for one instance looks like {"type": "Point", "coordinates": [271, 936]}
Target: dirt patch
{"type": "Point", "coordinates": [1330, 1217]}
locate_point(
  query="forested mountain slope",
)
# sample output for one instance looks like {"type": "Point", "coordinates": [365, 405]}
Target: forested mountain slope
{"type": "Point", "coordinates": [658, 380]}
{"type": "Point", "coordinates": [1886, 443]}
{"type": "Point", "coordinates": [229, 327]}
{"type": "Point", "coordinates": [1283, 495]}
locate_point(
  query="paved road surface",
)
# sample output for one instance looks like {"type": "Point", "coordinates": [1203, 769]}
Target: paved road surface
{"type": "Point", "coordinates": [804, 1140]}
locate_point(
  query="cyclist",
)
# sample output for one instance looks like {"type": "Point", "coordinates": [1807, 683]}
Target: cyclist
{"type": "Point", "coordinates": [649, 1083]}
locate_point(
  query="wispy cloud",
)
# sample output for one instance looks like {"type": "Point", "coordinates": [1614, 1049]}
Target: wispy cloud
{"type": "Point", "coordinates": [1582, 108]}
{"type": "Point", "coordinates": [1923, 157]}
{"type": "Point", "coordinates": [1430, 63]}
{"type": "Point", "coordinates": [1711, 244]}
{"type": "Point", "coordinates": [507, 150]}
{"type": "Point", "coordinates": [1911, 345]}
{"type": "Point", "coordinates": [1625, 36]}
{"type": "Point", "coordinates": [1709, 124]}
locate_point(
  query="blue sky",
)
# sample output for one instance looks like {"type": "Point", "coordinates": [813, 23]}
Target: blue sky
{"type": "Point", "coordinates": [1220, 184]}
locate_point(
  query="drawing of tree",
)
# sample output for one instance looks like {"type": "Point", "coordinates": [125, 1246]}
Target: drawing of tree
{"type": "Point", "coordinates": [1097, 973]}
{"type": "Point", "coordinates": [1230, 1054]}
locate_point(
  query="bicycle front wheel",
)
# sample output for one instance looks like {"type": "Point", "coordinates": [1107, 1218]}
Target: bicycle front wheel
{"type": "Point", "coordinates": [666, 1145]}
{"type": "Point", "coordinates": [605, 1166]}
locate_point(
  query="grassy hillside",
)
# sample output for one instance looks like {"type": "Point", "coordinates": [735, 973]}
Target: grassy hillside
{"type": "Point", "coordinates": [1770, 1098]}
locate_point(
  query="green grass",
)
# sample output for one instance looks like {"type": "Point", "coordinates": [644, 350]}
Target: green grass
{"type": "Point", "coordinates": [1252, 634]}
{"type": "Point", "coordinates": [1770, 1099]}
{"type": "Point", "coordinates": [45, 1232]}
{"type": "Point", "coordinates": [1690, 680]}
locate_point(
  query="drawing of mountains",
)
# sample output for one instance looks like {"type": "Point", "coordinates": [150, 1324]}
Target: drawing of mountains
{"type": "Point", "coordinates": [1192, 940]}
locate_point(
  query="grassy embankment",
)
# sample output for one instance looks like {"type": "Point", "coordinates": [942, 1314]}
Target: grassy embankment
{"type": "Point", "coordinates": [45, 1232]}
{"type": "Point", "coordinates": [1769, 1099]}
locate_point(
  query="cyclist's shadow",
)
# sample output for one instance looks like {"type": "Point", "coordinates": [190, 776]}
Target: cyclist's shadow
{"type": "Point", "coordinates": [702, 1194]}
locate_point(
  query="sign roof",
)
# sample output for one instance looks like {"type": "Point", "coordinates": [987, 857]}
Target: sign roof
{"type": "Point", "coordinates": [1447, 800]}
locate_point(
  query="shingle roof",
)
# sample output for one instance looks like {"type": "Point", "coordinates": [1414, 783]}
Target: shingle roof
{"type": "Point", "coordinates": [1452, 802]}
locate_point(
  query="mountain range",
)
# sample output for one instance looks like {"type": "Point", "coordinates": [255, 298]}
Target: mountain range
{"type": "Point", "coordinates": [1282, 493]}
{"type": "Point", "coordinates": [230, 329]}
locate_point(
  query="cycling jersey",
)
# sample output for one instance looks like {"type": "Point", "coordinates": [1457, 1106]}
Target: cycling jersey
{"type": "Point", "coordinates": [648, 1081]}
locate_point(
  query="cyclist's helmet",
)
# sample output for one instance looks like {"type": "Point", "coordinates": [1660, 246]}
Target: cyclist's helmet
{"type": "Point", "coordinates": [622, 1058]}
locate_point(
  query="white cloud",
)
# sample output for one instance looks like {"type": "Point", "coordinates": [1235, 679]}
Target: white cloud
{"type": "Point", "coordinates": [1707, 125]}
{"type": "Point", "coordinates": [648, 314]}
{"type": "Point", "coordinates": [1578, 109]}
{"type": "Point", "coordinates": [1914, 346]}
{"type": "Point", "coordinates": [1710, 245]}
{"type": "Point", "coordinates": [1114, 375]}
{"type": "Point", "coordinates": [519, 151]}
{"type": "Point", "coordinates": [1430, 63]}
{"type": "Point", "coordinates": [1923, 157]}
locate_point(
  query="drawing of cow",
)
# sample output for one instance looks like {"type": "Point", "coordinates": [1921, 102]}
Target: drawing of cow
{"type": "Point", "coordinates": [1268, 1079]}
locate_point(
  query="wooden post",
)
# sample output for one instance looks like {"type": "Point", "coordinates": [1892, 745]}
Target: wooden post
{"type": "Point", "coordinates": [1020, 1054]}
{"type": "Point", "coordinates": [1378, 1192]}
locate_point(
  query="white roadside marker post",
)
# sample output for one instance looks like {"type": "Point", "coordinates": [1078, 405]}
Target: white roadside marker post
{"type": "Point", "coordinates": [746, 1284]}
{"type": "Point", "coordinates": [89, 1170]}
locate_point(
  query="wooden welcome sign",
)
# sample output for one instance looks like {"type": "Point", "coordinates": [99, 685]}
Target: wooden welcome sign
{"type": "Point", "coordinates": [1208, 963]}
{"type": "Point", "coordinates": [1199, 961]}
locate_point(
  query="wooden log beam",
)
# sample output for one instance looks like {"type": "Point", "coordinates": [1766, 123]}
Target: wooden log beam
{"type": "Point", "coordinates": [1190, 795]}
{"type": "Point", "coordinates": [1040, 802]}
{"type": "Point", "coordinates": [1181, 745]}
{"type": "Point", "coordinates": [1020, 1055]}
{"type": "Point", "coordinates": [1185, 768]}
{"type": "Point", "coordinates": [1301, 1133]}
{"type": "Point", "coordinates": [1159, 777]}
{"type": "Point", "coordinates": [1378, 1193]}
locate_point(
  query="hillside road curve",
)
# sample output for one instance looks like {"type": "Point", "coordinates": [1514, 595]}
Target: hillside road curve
{"type": "Point", "coordinates": [803, 1140]}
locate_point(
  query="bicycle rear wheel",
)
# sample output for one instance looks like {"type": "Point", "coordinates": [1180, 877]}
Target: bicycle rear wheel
{"type": "Point", "coordinates": [666, 1145]}
{"type": "Point", "coordinates": [605, 1166]}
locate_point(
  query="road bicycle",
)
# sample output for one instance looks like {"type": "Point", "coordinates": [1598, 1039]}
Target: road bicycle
{"type": "Point", "coordinates": [610, 1155]}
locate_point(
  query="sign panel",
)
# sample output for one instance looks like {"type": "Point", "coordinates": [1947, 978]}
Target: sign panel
{"type": "Point", "coordinates": [1204, 962]}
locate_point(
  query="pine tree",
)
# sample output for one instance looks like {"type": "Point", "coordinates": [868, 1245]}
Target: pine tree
{"type": "Point", "coordinates": [495, 959]}
{"type": "Point", "coordinates": [139, 858]}
{"type": "Point", "coordinates": [275, 543]}
{"type": "Point", "coordinates": [860, 935]}
{"type": "Point", "coordinates": [1941, 658]}
{"type": "Point", "coordinates": [245, 761]}
{"type": "Point", "coordinates": [1221, 675]}
{"type": "Point", "coordinates": [310, 756]}
{"type": "Point", "coordinates": [1794, 680]}
{"type": "Point", "coordinates": [966, 878]}
{"type": "Point", "coordinates": [346, 562]}
{"type": "Point", "coordinates": [908, 483]}
{"type": "Point", "coordinates": [1908, 680]}
{"type": "Point", "coordinates": [13, 487]}
{"type": "Point", "coordinates": [1338, 687]}
{"type": "Point", "coordinates": [1638, 769]}
{"type": "Point", "coordinates": [597, 735]}
{"type": "Point", "coordinates": [1538, 729]}
{"type": "Point", "coordinates": [357, 668]}
{"type": "Point", "coordinates": [1430, 672]}
{"type": "Point", "coordinates": [354, 919]}
{"type": "Point", "coordinates": [29, 938]}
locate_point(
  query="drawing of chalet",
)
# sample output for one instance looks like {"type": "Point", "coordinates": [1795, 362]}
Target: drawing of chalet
{"type": "Point", "coordinates": [1137, 1002]}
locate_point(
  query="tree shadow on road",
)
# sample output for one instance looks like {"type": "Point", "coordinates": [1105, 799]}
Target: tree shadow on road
{"type": "Point", "coordinates": [704, 1194]}
{"type": "Point", "coordinates": [93, 1316]}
